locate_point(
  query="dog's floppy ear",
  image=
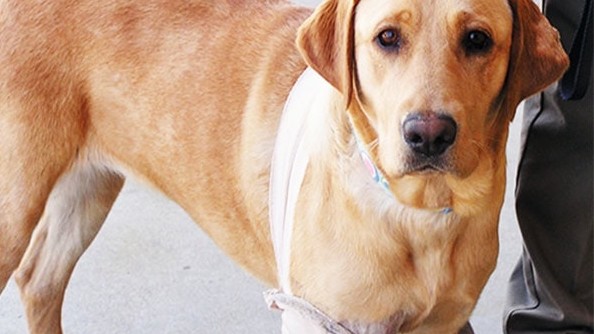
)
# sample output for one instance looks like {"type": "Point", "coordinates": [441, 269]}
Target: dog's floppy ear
{"type": "Point", "coordinates": [325, 40]}
{"type": "Point", "coordinates": [537, 58]}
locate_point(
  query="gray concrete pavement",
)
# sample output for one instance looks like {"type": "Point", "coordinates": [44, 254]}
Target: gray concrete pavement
{"type": "Point", "coordinates": [151, 270]}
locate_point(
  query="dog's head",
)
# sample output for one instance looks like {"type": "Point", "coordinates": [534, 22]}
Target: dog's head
{"type": "Point", "coordinates": [431, 86]}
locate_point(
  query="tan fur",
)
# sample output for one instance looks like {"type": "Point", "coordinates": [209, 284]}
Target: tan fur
{"type": "Point", "coordinates": [186, 95]}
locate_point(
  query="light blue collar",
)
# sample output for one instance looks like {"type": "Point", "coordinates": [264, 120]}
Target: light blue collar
{"type": "Point", "coordinates": [375, 173]}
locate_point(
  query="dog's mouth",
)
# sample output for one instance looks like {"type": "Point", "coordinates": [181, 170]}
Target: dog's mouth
{"type": "Point", "coordinates": [423, 185]}
{"type": "Point", "coordinates": [427, 169]}
{"type": "Point", "coordinates": [427, 166]}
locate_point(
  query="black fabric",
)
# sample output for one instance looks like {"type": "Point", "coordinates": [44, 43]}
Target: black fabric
{"type": "Point", "coordinates": [551, 288]}
{"type": "Point", "coordinates": [467, 329]}
{"type": "Point", "coordinates": [574, 83]}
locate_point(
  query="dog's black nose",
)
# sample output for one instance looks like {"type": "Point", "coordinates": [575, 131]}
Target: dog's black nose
{"type": "Point", "coordinates": [429, 134]}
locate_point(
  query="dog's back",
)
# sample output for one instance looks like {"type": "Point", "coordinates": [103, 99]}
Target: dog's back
{"type": "Point", "coordinates": [169, 91]}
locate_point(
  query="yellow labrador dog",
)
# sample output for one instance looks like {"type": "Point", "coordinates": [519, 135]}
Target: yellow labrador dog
{"type": "Point", "coordinates": [395, 215]}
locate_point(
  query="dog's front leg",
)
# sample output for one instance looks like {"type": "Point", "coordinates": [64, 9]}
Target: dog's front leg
{"type": "Point", "coordinates": [74, 213]}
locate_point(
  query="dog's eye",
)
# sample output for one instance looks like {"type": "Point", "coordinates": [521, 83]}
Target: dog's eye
{"type": "Point", "coordinates": [477, 41]}
{"type": "Point", "coordinates": [389, 39]}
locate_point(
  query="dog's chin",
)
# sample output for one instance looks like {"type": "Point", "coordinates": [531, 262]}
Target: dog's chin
{"type": "Point", "coordinates": [421, 182]}
{"type": "Point", "coordinates": [439, 183]}
{"type": "Point", "coordinates": [423, 188]}
{"type": "Point", "coordinates": [431, 167]}
{"type": "Point", "coordinates": [425, 171]}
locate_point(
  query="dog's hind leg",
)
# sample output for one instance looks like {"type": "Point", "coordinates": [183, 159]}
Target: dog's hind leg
{"type": "Point", "coordinates": [74, 213]}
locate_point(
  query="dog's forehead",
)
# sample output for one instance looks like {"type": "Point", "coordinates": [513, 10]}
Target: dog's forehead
{"type": "Point", "coordinates": [371, 14]}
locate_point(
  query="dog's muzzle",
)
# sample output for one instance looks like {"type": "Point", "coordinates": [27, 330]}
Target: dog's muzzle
{"type": "Point", "coordinates": [429, 134]}
{"type": "Point", "coordinates": [429, 137]}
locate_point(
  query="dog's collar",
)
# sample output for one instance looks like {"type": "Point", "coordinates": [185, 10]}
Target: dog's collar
{"type": "Point", "coordinates": [376, 173]}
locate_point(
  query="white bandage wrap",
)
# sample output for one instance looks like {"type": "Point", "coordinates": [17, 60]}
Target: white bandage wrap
{"type": "Point", "coordinates": [289, 162]}
{"type": "Point", "coordinates": [307, 105]}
